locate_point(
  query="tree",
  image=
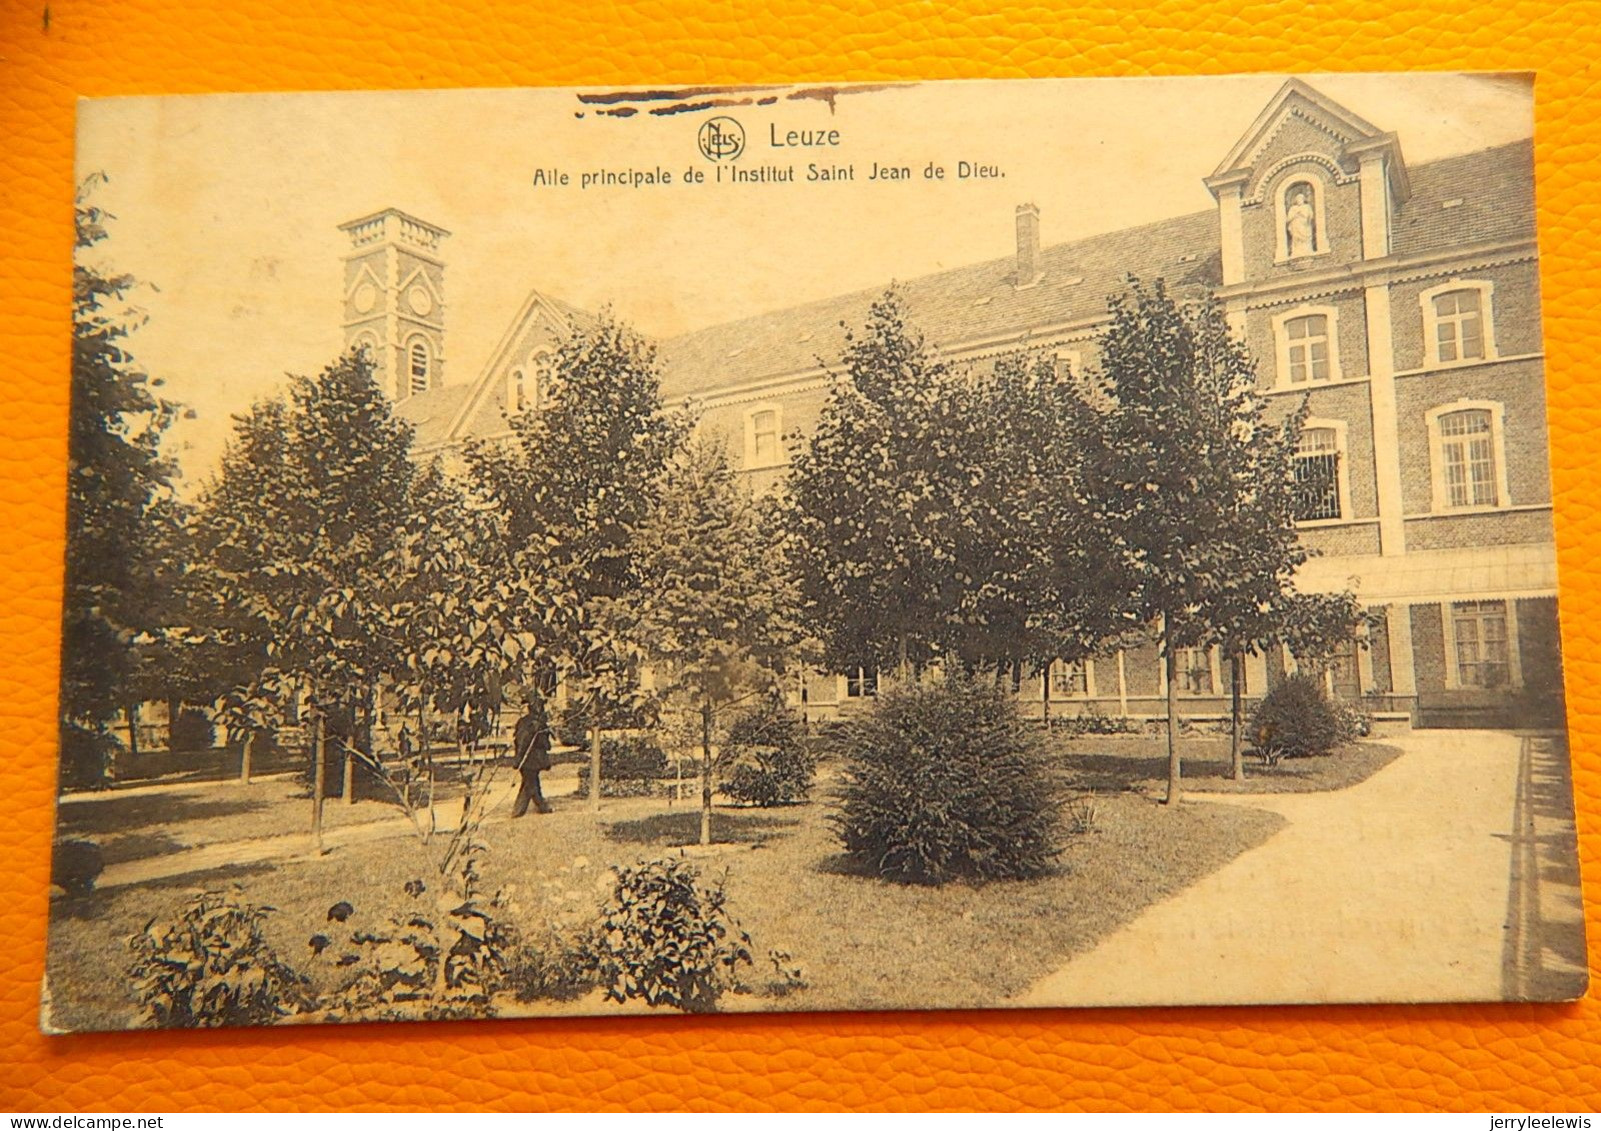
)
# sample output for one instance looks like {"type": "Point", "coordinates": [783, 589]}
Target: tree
{"type": "Point", "coordinates": [716, 611]}
{"type": "Point", "coordinates": [893, 503]}
{"type": "Point", "coordinates": [117, 482]}
{"type": "Point", "coordinates": [296, 536]}
{"type": "Point", "coordinates": [1195, 481]}
{"type": "Point", "coordinates": [1051, 588]}
{"type": "Point", "coordinates": [581, 476]}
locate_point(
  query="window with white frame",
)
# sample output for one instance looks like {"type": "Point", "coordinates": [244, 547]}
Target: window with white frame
{"type": "Point", "coordinates": [1317, 476]}
{"type": "Point", "coordinates": [762, 435]}
{"type": "Point", "coordinates": [1458, 324]}
{"type": "Point", "coordinates": [517, 392]}
{"type": "Point", "coordinates": [1069, 679]}
{"type": "Point", "coordinates": [1482, 643]}
{"type": "Point", "coordinates": [861, 683]}
{"type": "Point", "coordinates": [1195, 671]}
{"type": "Point", "coordinates": [1068, 365]}
{"type": "Point", "coordinates": [1469, 466]}
{"type": "Point", "coordinates": [1308, 346]}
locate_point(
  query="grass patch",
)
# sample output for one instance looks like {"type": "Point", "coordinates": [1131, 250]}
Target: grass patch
{"type": "Point", "coordinates": [1139, 763]}
{"type": "Point", "coordinates": [864, 943]}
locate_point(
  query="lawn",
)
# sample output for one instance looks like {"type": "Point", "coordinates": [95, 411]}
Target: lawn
{"type": "Point", "coordinates": [863, 943]}
{"type": "Point", "coordinates": [1139, 762]}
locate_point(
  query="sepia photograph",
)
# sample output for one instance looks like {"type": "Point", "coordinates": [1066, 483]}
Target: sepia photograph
{"type": "Point", "coordinates": [950, 545]}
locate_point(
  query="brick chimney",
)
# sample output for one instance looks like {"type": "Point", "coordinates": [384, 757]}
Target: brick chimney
{"type": "Point", "coordinates": [1028, 246]}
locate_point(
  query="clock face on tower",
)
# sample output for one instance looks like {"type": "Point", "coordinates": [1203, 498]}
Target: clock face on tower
{"type": "Point", "coordinates": [420, 301]}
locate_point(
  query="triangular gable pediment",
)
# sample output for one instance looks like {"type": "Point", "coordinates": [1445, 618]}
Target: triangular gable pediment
{"type": "Point", "coordinates": [419, 275]}
{"type": "Point", "coordinates": [1296, 102]}
{"type": "Point", "coordinates": [536, 311]}
{"type": "Point", "coordinates": [365, 275]}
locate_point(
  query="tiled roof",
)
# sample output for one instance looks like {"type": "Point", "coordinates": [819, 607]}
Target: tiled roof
{"type": "Point", "coordinates": [1456, 200]}
{"type": "Point", "coordinates": [960, 305]}
{"type": "Point", "coordinates": [430, 413]}
{"type": "Point", "coordinates": [1494, 194]}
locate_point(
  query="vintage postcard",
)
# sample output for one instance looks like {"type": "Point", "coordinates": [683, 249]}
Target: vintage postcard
{"type": "Point", "coordinates": [945, 545]}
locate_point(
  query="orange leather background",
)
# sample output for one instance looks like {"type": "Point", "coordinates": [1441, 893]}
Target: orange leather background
{"type": "Point", "coordinates": [1495, 1057]}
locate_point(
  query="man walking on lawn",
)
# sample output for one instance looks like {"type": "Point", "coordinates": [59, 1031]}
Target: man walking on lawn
{"type": "Point", "coordinates": [531, 748]}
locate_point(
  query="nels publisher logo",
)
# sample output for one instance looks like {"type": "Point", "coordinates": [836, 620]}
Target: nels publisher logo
{"type": "Point", "coordinates": [721, 139]}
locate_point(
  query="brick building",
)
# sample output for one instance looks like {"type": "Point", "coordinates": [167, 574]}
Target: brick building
{"type": "Point", "coordinates": [1402, 301]}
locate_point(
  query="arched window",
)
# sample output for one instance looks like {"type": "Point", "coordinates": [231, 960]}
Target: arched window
{"type": "Point", "coordinates": [537, 391]}
{"type": "Point", "coordinates": [763, 436]}
{"type": "Point", "coordinates": [516, 392]}
{"type": "Point", "coordinates": [1302, 222]}
{"type": "Point", "coordinates": [1458, 323]}
{"type": "Point", "coordinates": [1469, 469]}
{"type": "Point", "coordinates": [421, 365]}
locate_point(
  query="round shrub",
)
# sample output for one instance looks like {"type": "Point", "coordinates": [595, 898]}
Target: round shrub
{"type": "Point", "coordinates": [630, 766]}
{"type": "Point", "coordinates": [947, 781]}
{"type": "Point", "coordinates": [767, 760]}
{"type": "Point", "coordinates": [192, 730]}
{"type": "Point", "coordinates": [1297, 720]}
{"type": "Point", "coordinates": [76, 865]}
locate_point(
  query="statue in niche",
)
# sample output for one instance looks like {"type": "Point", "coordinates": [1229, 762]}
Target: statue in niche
{"type": "Point", "coordinates": [1300, 224]}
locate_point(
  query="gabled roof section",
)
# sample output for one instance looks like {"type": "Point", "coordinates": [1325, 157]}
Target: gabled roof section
{"type": "Point", "coordinates": [430, 414]}
{"type": "Point", "coordinates": [955, 309]}
{"type": "Point", "coordinates": [478, 413]}
{"type": "Point", "coordinates": [1294, 98]}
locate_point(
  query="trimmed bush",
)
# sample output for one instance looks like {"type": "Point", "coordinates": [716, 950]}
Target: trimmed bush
{"type": "Point", "coordinates": [630, 766]}
{"type": "Point", "coordinates": [666, 937]}
{"type": "Point", "coordinates": [947, 782]}
{"type": "Point", "coordinates": [85, 757]}
{"type": "Point", "coordinates": [767, 760]}
{"type": "Point", "coordinates": [191, 730]}
{"type": "Point", "coordinates": [1297, 720]}
{"type": "Point", "coordinates": [76, 865]}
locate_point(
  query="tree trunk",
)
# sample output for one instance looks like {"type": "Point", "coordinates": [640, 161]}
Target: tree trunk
{"type": "Point", "coordinates": [132, 711]}
{"type": "Point", "coordinates": [706, 772]}
{"type": "Point", "coordinates": [244, 755]}
{"type": "Point", "coordinates": [1045, 693]}
{"type": "Point", "coordinates": [1237, 708]}
{"type": "Point", "coordinates": [1175, 786]}
{"type": "Point", "coordinates": [904, 665]}
{"type": "Point", "coordinates": [319, 775]}
{"type": "Point", "coordinates": [594, 763]}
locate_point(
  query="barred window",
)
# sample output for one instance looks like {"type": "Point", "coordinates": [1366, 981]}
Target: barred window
{"type": "Point", "coordinates": [1467, 453]}
{"type": "Point", "coordinates": [1317, 476]}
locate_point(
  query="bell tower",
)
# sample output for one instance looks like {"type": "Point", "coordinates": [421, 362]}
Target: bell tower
{"type": "Point", "coordinates": [394, 299]}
